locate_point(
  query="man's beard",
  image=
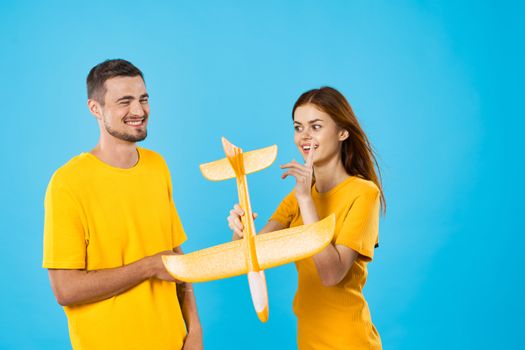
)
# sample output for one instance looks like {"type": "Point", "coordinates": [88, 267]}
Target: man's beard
{"type": "Point", "coordinates": [125, 136]}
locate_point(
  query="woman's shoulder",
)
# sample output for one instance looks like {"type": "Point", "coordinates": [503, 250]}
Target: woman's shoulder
{"type": "Point", "coordinates": [365, 185]}
{"type": "Point", "coordinates": [289, 198]}
{"type": "Point", "coordinates": [359, 186]}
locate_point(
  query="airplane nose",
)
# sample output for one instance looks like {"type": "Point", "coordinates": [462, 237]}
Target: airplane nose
{"type": "Point", "coordinates": [259, 292]}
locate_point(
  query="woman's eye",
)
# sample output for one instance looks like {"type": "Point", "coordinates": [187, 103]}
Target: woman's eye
{"type": "Point", "coordinates": [316, 126]}
{"type": "Point", "coordinates": [297, 128]}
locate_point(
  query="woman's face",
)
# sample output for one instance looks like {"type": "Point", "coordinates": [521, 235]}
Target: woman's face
{"type": "Point", "coordinates": [315, 128]}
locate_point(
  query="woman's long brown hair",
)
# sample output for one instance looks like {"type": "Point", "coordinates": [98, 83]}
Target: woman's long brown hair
{"type": "Point", "coordinates": [356, 152]}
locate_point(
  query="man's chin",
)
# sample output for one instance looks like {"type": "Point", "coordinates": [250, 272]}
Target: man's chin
{"type": "Point", "coordinates": [141, 136]}
{"type": "Point", "coordinates": [138, 138]}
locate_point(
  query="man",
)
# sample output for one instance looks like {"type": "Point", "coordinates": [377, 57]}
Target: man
{"type": "Point", "coordinates": [109, 217]}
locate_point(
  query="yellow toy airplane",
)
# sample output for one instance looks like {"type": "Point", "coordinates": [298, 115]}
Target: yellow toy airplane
{"type": "Point", "coordinates": [254, 253]}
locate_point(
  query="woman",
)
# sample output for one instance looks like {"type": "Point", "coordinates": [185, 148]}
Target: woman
{"type": "Point", "coordinates": [338, 177]}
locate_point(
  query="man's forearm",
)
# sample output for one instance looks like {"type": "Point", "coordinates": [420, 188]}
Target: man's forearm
{"type": "Point", "coordinates": [188, 305]}
{"type": "Point", "coordinates": [73, 287]}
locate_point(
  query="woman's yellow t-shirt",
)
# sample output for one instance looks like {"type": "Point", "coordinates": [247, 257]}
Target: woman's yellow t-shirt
{"type": "Point", "coordinates": [337, 317]}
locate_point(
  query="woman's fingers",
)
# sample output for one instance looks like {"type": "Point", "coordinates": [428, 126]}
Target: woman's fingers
{"type": "Point", "coordinates": [310, 159]}
{"type": "Point", "coordinates": [235, 222]}
{"type": "Point", "coordinates": [299, 170]}
{"type": "Point", "coordinates": [299, 167]}
{"type": "Point", "coordinates": [299, 175]}
{"type": "Point", "coordinates": [236, 226]}
{"type": "Point", "coordinates": [238, 233]}
{"type": "Point", "coordinates": [237, 208]}
{"type": "Point", "coordinates": [302, 171]}
{"type": "Point", "coordinates": [294, 165]}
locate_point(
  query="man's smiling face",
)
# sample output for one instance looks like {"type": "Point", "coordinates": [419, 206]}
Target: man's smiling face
{"type": "Point", "coordinates": [126, 108]}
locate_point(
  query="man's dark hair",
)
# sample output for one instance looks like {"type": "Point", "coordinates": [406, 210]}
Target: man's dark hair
{"type": "Point", "coordinates": [106, 70]}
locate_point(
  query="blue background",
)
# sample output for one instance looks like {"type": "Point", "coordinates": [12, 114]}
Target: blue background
{"type": "Point", "coordinates": [438, 87]}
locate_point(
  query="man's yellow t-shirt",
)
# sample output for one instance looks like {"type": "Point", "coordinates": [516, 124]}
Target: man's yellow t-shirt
{"type": "Point", "coordinates": [337, 317]}
{"type": "Point", "coordinates": [98, 217]}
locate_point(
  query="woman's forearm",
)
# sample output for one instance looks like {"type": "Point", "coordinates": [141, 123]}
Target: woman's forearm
{"type": "Point", "coordinates": [334, 261]}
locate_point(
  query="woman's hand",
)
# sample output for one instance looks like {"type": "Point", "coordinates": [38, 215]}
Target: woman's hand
{"type": "Point", "coordinates": [303, 175]}
{"type": "Point", "coordinates": [235, 222]}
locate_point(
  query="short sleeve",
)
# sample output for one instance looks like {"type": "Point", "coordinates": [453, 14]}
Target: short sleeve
{"type": "Point", "coordinates": [359, 230]}
{"type": "Point", "coordinates": [287, 210]}
{"type": "Point", "coordinates": [64, 232]}
{"type": "Point", "coordinates": [178, 235]}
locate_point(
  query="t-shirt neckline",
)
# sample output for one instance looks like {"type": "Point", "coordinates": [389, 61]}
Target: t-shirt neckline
{"type": "Point", "coordinates": [333, 190]}
{"type": "Point", "coordinates": [100, 162]}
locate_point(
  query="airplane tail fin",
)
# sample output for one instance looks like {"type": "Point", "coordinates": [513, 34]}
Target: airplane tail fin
{"type": "Point", "coordinates": [251, 162]}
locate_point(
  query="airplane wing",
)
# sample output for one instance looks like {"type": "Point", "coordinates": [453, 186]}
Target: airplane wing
{"type": "Point", "coordinates": [273, 249]}
{"type": "Point", "coordinates": [221, 261]}
{"type": "Point", "coordinates": [253, 161]}
{"type": "Point", "coordinates": [292, 244]}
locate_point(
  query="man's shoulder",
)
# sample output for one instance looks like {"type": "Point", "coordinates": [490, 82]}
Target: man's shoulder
{"type": "Point", "coordinates": [150, 154]}
{"type": "Point", "coordinates": [73, 168]}
{"type": "Point", "coordinates": [152, 158]}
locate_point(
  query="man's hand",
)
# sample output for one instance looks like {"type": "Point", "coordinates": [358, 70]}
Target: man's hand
{"type": "Point", "coordinates": [193, 341]}
{"type": "Point", "coordinates": [158, 269]}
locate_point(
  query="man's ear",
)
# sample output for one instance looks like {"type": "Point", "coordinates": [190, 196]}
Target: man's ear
{"type": "Point", "coordinates": [95, 108]}
{"type": "Point", "coordinates": [343, 134]}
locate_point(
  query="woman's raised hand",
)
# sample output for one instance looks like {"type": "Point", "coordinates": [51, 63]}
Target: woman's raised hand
{"type": "Point", "coordinates": [303, 175]}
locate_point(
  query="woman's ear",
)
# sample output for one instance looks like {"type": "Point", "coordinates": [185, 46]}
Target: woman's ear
{"type": "Point", "coordinates": [343, 134]}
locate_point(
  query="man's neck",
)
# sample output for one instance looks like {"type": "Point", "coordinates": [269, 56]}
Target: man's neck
{"type": "Point", "coordinates": [117, 154]}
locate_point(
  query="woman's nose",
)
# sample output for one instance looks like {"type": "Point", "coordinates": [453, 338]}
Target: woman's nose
{"type": "Point", "coordinates": [306, 135]}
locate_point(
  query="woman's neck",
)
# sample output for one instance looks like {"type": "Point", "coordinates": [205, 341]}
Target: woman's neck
{"type": "Point", "coordinates": [329, 174]}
